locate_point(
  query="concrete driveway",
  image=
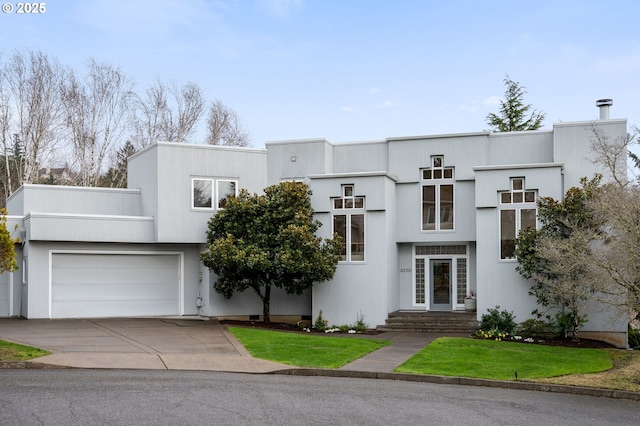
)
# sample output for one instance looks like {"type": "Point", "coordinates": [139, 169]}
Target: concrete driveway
{"type": "Point", "coordinates": [139, 343]}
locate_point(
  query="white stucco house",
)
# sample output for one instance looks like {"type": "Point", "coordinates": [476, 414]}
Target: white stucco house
{"type": "Point", "coordinates": [425, 219]}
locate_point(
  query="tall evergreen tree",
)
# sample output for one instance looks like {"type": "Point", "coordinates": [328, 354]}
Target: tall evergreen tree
{"type": "Point", "coordinates": [514, 115]}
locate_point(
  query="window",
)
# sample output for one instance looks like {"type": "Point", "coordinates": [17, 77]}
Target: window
{"type": "Point", "coordinates": [203, 195]}
{"type": "Point", "coordinates": [226, 188]}
{"type": "Point", "coordinates": [437, 170]}
{"type": "Point", "coordinates": [348, 222]}
{"type": "Point", "coordinates": [437, 198]}
{"type": "Point", "coordinates": [517, 212]}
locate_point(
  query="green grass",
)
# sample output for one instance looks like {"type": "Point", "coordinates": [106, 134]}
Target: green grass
{"type": "Point", "coordinates": [489, 359]}
{"type": "Point", "coordinates": [15, 352]}
{"type": "Point", "coordinates": [305, 350]}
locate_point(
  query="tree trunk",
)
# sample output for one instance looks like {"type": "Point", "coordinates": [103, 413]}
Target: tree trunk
{"type": "Point", "coordinates": [265, 303]}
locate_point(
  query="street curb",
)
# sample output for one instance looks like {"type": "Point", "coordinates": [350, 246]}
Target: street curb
{"type": "Point", "coordinates": [25, 365]}
{"type": "Point", "coordinates": [406, 377]}
{"type": "Point", "coordinates": [449, 380]}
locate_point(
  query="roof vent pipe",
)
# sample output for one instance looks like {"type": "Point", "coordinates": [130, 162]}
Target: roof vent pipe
{"type": "Point", "coordinates": [604, 105]}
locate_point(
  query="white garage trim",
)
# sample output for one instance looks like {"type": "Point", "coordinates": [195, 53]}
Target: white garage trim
{"type": "Point", "coordinates": [180, 255]}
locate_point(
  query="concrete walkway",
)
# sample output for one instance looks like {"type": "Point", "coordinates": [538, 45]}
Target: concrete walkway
{"type": "Point", "coordinates": [404, 346]}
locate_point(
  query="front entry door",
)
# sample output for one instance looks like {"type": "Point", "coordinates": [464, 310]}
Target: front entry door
{"type": "Point", "coordinates": [440, 271]}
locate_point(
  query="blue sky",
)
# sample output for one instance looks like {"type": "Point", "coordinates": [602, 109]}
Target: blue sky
{"type": "Point", "coordinates": [351, 70]}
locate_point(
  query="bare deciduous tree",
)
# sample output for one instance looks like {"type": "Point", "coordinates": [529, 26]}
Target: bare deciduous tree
{"type": "Point", "coordinates": [612, 154]}
{"type": "Point", "coordinates": [223, 126]}
{"type": "Point", "coordinates": [96, 110]}
{"type": "Point", "coordinates": [167, 113]}
{"type": "Point", "coordinates": [596, 258]}
{"type": "Point", "coordinates": [32, 111]}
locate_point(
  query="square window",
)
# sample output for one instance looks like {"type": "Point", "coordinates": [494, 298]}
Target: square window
{"type": "Point", "coordinates": [348, 203]}
{"type": "Point", "coordinates": [516, 184]}
{"type": "Point", "coordinates": [426, 174]}
{"type": "Point", "coordinates": [347, 190]}
{"type": "Point", "coordinates": [505, 198]}
{"type": "Point", "coordinates": [337, 203]}
{"type": "Point", "coordinates": [202, 193]}
{"type": "Point", "coordinates": [529, 197]}
{"type": "Point", "coordinates": [437, 174]}
{"type": "Point", "coordinates": [359, 202]}
{"type": "Point", "coordinates": [437, 162]}
{"type": "Point", "coordinates": [517, 197]}
{"type": "Point", "coordinates": [448, 173]}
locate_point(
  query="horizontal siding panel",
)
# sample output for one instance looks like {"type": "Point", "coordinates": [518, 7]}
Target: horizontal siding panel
{"type": "Point", "coordinates": [80, 200]}
{"type": "Point", "coordinates": [47, 227]}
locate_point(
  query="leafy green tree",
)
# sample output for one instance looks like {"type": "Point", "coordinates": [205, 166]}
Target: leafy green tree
{"type": "Point", "coordinates": [553, 256]}
{"type": "Point", "coordinates": [514, 115]}
{"type": "Point", "coordinates": [7, 246]}
{"type": "Point", "coordinates": [262, 241]}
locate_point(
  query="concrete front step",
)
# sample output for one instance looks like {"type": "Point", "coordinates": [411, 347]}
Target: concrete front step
{"type": "Point", "coordinates": [431, 322]}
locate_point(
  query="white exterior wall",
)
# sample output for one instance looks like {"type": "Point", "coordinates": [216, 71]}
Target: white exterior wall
{"type": "Point", "coordinates": [177, 221]}
{"type": "Point", "coordinates": [358, 287]}
{"type": "Point", "coordinates": [369, 287]}
{"type": "Point", "coordinates": [298, 159]}
{"type": "Point", "coordinates": [248, 303]}
{"type": "Point", "coordinates": [572, 146]}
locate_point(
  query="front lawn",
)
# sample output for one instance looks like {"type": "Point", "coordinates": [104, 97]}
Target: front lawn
{"type": "Point", "coordinates": [489, 359]}
{"type": "Point", "coordinates": [15, 352]}
{"type": "Point", "coordinates": [305, 350]}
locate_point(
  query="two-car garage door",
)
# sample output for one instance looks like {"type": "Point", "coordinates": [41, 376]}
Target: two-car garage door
{"type": "Point", "coordinates": [115, 285]}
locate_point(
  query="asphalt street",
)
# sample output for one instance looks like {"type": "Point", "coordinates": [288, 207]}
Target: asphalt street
{"type": "Point", "coordinates": [166, 397]}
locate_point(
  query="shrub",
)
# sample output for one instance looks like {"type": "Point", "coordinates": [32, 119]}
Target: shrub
{"type": "Point", "coordinates": [634, 337]}
{"type": "Point", "coordinates": [320, 324]}
{"type": "Point", "coordinates": [360, 326]}
{"type": "Point", "coordinates": [498, 321]}
{"type": "Point", "coordinates": [537, 328]}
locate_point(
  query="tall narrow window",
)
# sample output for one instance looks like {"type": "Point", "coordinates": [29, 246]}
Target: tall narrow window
{"type": "Point", "coordinates": [348, 223]}
{"type": "Point", "coordinates": [437, 196]}
{"type": "Point", "coordinates": [517, 212]}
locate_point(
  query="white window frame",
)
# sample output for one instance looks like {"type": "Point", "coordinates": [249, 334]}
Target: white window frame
{"type": "Point", "coordinates": [507, 203]}
{"type": "Point", "coordinates": [345, 205]}
{"type": "Point", "coordinates": [438, 207]}
{"type": "Point", "coordinates": [427, 176]}
{"type": "Point", "coordinates": [213, 193]}
{"type": "Point", "coordinates": [215, 196]}
{"type": "Point", "coordinates": [426, 305]}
